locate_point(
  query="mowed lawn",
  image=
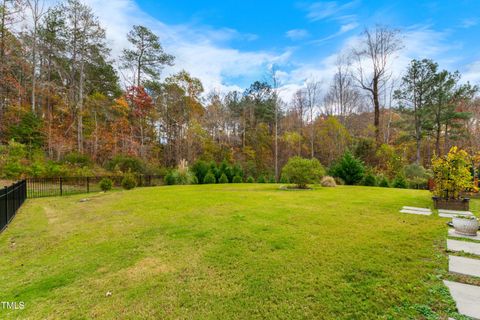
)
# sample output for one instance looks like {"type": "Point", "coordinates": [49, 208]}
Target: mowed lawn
{"type": "Point", "coordinates": [226, 252]}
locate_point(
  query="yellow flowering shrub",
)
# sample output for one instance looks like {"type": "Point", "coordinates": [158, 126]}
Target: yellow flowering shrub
{"type": "Point", "coordinates": [452, 174]}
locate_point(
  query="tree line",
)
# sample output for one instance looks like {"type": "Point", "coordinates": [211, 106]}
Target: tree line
{"type": "Point", "coordinates": [65, 101]}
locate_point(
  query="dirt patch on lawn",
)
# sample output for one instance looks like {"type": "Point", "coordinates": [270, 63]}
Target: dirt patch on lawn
{"type": "Point", "coordinates": [147, 267]}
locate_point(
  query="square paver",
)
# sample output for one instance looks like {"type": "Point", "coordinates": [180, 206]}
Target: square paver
{"type": "Point", "coordinates": [466, 297]}
{"type": "Point", "coordinates": [423, 213]}
{"type": "Point", "coordinates": [452, 233]}
{"type": "Point", "coordinates": [455, 212]}
{"type": "Point", "coordinates": [467, 247]}
{"type": "Point", "coordinates": [416, 209]}
{"type": "Point", "coordinates": [465, 266]}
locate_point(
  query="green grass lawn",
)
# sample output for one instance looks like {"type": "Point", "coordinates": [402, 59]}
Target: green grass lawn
{"type": "Point", "coordinates": [227, 252]}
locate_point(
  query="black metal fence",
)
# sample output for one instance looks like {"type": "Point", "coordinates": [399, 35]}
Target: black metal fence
{"type": "Point", "coordinates": [11, 199]}
{"type": "Point", "coordinates": [50, 187]}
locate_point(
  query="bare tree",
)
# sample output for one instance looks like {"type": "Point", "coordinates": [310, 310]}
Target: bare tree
{"type": "Point", "coordinates": [312, 91]}
{"type": "Point", "coordinates": [275, 88]}
{"type": "Point", "coordinates": [85, 40]}
{"type": "Point", "coordinates": [37, 10]}
{"type": "Point", "coordinates": [299, 101]}
{"type": "Point", "coordinates": [343, 98]}
{"type": "Point", "coordinates": [376, 49]}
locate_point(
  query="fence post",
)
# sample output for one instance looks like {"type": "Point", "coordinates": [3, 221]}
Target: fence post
{"type": "Point", "coordinates": [88, 184]}
{"type": "Point", "coordinates": [61, 186]}
{"type": "Point", "coordinates": [5, 199]}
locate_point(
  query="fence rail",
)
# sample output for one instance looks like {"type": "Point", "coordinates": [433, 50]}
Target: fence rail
{"type": "Point", "coordinates": [11, 199]}
{"type": "Point", "coordinates": [50, 187]}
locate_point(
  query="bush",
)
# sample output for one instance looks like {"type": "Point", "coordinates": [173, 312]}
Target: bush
{"type": "Point", "coordinates": [223, 178]}
{"type": "Point", "coordinates": [194, 179]}
{"type": "Point", "coordinates": [227, 170]}
{"type": "Point", "coordinates": [250, 179]}
{"type": "Point", "coordinates": [170, 179]}
{"type": "Point", "coordinates": [417, 176]}
{"type": "Point", "coordinates": [384, 183]}
{"type": "Point", "coordinates": [106, 184]}
{"type": "Point", "coordinates": [237, 179]}
{"type": "Point", "coordinates": [272, 180]}
{"type": "Point", "coordinates": [452, 174]}
{"type": "Point", "coordinates": [129, 182]}
{"type": "Point", "coordinates": [262, 179]}
{"type": "Point", "coordinates": [349, 168]}
{"type": "Point", "coordinates": [369, 180]}
{"type": "Point", "coordinates": [28, 131]}
{"type": "Point", "coordinates": [209, 178]}
{"type": "Point", "coordinates": [78, 159]}
{"type": "Point", "coordinates": [339, 181]}
{"type": "Point", "coordinates": [237, 170]}
{"type": "Point", "coordinates": [200, 170]}
{"type": "Point", "coordinates": [302, 171]}
{"type": "Point", "coordinates": [399, 182]}
{"type": "Point", "coordinates": [126, 164]}
{"type": "Point", "coordinates": [328, 182]}
{"type": "Point", "coordinates": [284, 179]}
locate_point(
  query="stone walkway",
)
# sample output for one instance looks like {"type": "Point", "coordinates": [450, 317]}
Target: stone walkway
{"type": "Point", "coordinates": [467, 297]}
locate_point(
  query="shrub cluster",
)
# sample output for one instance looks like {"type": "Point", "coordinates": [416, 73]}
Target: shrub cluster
{"type": "Point", "coordinates": [226, 170]}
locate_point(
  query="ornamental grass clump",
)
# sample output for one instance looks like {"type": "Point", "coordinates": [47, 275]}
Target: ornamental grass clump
{"type": "Point", "coordinates": [328, 181]}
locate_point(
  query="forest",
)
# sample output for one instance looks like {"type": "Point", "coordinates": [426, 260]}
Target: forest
{"type": "Point", "coordinates": [68, 107]}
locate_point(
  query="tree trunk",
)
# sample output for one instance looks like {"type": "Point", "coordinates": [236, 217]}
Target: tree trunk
{"type": "Point", "coordinates": [80, 109]}
{"type": "Point", "coordinates": [34, 63]}
{"type": "Point", "coordinates": [2, 63]}
{"type": "Point", "coordinates": [376, 105]}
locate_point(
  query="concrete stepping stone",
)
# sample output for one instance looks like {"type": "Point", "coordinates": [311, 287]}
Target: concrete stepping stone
{"type": "Point", "coordinates": [467, 247]}
{"type": "Point", "coordinates": [466, 297]}
{"type": "Point", "coordinates": [423, 213]}
{"type": "Point", "coordinates": [452, 233]}
{"type": "Point", "coordinates": [465, 266]}
{"type": "Point", "coordinates": [452, 213]}
{"type": "Point", "coordinates": [416, 209]}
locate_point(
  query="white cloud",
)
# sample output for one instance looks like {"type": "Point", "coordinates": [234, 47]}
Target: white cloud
{"type": "Point", "coordinates": [201, 50]}
{"type": "Point", "coordinates": [472, 73]}
{"type": "Point", "coordinates": [297, 34]}
{"type": "Point", "coordinates": [419, 42]}
{"type": "Point", "coordinates": [205, 51]}
{"type": "Point", "coordinates": [328, 9]}
{"type": "Point", "coordinates": [469, 22]}
{"type": "Point", "coordinates": [343, 29]}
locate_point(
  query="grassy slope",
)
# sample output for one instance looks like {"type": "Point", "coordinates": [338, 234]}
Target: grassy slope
{"type": "Point", "coordinates": [231, 251]}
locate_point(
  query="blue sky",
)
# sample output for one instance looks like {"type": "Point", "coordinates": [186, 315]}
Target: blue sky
{"type": "Point", "coordinates": [229, 44]}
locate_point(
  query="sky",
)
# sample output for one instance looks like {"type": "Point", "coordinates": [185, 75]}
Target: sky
{"type": "Point", "coordinates": [229, 44]}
